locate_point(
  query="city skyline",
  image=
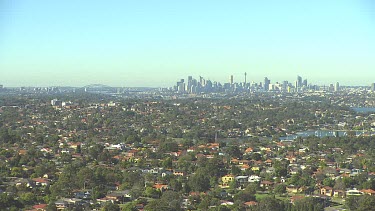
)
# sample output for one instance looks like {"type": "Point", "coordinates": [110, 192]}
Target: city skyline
{"type": "Point", "coordinates": [203, 85]}
{"type": "Point", "coordinates": [243, 82]}
{"type": "Point", "coordinates": [134, 44]}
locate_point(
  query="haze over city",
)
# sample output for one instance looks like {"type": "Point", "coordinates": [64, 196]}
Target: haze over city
{"type": "Point", "coordinates": [155, 43]}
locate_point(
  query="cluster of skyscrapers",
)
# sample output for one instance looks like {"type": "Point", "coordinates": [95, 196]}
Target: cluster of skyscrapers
{"type": "Point", "coordinates": [201, 85]}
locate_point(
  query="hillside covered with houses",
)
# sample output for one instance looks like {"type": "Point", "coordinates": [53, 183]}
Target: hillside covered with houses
{"type": "Point", "coordinates": [101, 152]}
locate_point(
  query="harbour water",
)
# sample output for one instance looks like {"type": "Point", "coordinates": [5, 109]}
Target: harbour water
{"type": "Point", "coordinates": [321, 134]}
{"type": "Point", "coordinates": [364, 109]}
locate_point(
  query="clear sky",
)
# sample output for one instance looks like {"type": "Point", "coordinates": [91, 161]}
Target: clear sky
{"type": "Point", "coordinates": [156, 42]}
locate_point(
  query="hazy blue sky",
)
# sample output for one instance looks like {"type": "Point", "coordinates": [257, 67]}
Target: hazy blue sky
{"type": "Point", "coordinates": [156, 42]}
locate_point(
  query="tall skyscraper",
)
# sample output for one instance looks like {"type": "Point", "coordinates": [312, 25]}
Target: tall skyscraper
{"type": "Point", "coordinates": [245, 78]}
{"type": "Point", "coordinates": [189, 84]}
{"type": "Point", "coordinates": [181, 86]}
{"type": "Point", "coordinates": [231, 79]}
{"type": "Point", "coordinates": [304, 83]}
{"type": "Point", "coordinates": [337, 87]}
{"type": "Point", "coordinates": [266, 84]}
{"type": "Point", "coordinates": [373, 87]}
{"type": "Point", "coordinates": [299, 83]}
{"type": "Point", "coordinates": [208, 86]}
{"type": "Point", "coordinates": [331, 88]}
{"type": "Point", "coordinates": [285, 86]}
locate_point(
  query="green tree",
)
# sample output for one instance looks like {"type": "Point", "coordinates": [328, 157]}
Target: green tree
{"type": "Point", "coordinates": [309, 204]}
{"type": "Point", "coordinates": [130, 206]}
{"type": "Point", "coordinates": [329, 182]}
{"type": "Point", "coordinates": [199, 182]}
{"type": "Point", "coordinates": [252, 188]}
{"type": "Point", "coordinates": [110, 207]}
{"type": "Point", "coordinates": [167, 163]}
{"type": "Point", "coordinates": [280, 189]}
{"type": "Point", "coordinates": [157, 205]}
{"type": "Point", "coordinates": [244, 196]}
{"type": "Point", "coordinates": [234, 151]}
{"type": "Point", "coordinates": [360, 203]}
{"type": "Point", "coordinates": [151, 192]}
{"type": "Point", "coordinates": [173, 199]}
{"type": "Point", "coordinates": [175, 184]}
{"type": "Point", "coordinates": [27, 198]}
{"type": "Point", "coordinates": [366, 202]}
{"type": "Point", "coordinates": [270, 203]}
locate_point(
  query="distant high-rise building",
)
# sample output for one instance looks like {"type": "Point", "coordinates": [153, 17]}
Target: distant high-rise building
{"type": "Point", "coordinates": [231, 79]}
{"type": "Point", "coordinates": [331, 88]}
{"type": "Point", "coordinates": [337, 87]}
{"type": "Point", "coordinates": [245, 78]}
{"type": "Point", "coordinates": [181, 86]}
{"type": "Point", "coordinates": [285, 86]}
{"type": "Point", "coordinates": [373, 87]}
{"type": "Point", "coordinates": [208, 86]}
{"type": "Point", "coordinates": [299, 83]}
{"type": "Point", "coordinates": [266, 84]}
{"type": "Point", "coordinates": [189, 84]}
{"type": "Point", "coordinates": [304, 83]}
{"type": "Point", "coordinates": [227, 86]}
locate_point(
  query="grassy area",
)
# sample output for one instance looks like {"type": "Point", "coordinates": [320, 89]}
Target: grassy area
{"type": "Point", "coordinates": [259, 196]}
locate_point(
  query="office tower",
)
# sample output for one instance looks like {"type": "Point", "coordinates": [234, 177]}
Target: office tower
{"type": "Point", "coordinates": [231, 79]}
{"type": "Point", "coordinates": [245, 78]}
{"type": "Point", "coordinates": [194, 82]}
{"type": "Point", "coordinates": [304, 83]}
{"type": "Point", "coordinates": [331, 88]}
{"type": "Point", "coordinates": [299, 83]}
{"type": "Point", "coordinates": [189, 84]}
{"type": "Point", "coordinates": [227, 86]}
{"type": "Point", "coordinates": [215, 86]}
{"type": "Point", "coordinates": [285, 85]}
{"type": "Point", "coordinates": [337, 87]}
{"type": "Point", "coordinates": [266, 84]}
{"type": "Point", "coordinates": [180, 86]}
{"type": "Point", "coordinates": [208, 86]}
{"type": "Point", "coordinates": [299, 80]}
{"type": "Point", "coordinates": [373, 87]}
